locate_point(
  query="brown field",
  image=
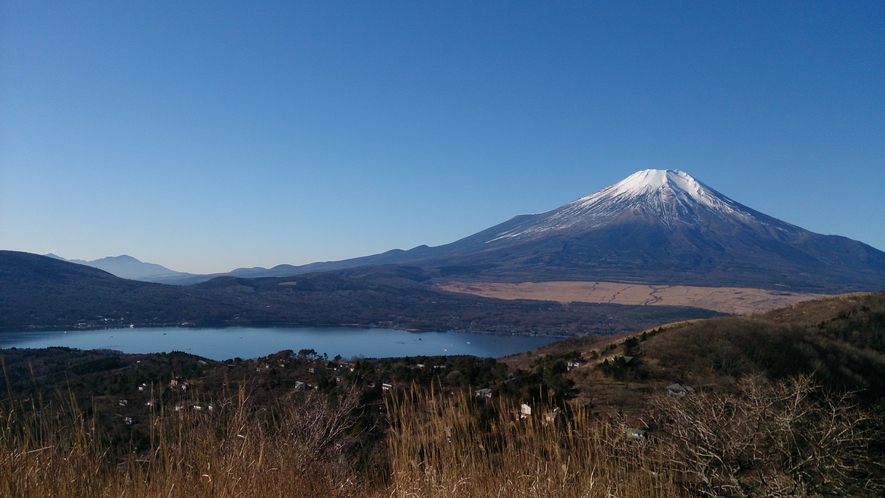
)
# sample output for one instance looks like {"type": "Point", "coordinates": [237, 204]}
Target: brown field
{"type": "Point", "coordinates": [735, 300]}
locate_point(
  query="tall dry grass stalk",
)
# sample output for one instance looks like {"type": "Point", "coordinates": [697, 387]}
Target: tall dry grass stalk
{"type": "Point", "coordinates": [295, 449]}
{"type": "Point", "coordinates": [445, 446]}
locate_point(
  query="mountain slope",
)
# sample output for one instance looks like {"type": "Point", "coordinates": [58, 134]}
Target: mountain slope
{"type": "Point", "coordinates": [656, 227]}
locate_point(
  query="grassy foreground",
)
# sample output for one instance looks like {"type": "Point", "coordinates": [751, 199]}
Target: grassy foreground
{"type": "Point", "coordinates": [305, 450]}
{"type": "Point", "coordinates": [767, 439]}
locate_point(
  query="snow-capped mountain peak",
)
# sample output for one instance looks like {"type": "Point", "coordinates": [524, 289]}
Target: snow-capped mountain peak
{"type": "Point", "coordinates": [649, 180]}
{"type": "Point", "coordinates": [661, 184]}
{"type": "Point", "coordinates": [669, 196]}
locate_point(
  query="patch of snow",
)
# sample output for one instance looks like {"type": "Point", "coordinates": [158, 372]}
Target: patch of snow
{"type": "Point", "coordinates": [670, 195]}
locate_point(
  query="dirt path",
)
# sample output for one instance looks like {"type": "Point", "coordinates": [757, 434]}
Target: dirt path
{"type": "Point", "coordinates": [734, 300]}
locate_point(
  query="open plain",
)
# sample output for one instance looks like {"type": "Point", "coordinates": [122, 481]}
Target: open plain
{"type": "Point", "coordinates": [732, 300]}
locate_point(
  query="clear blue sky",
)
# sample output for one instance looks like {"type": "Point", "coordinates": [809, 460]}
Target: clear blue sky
{"type": "Point", "coordinates": [206, 136]}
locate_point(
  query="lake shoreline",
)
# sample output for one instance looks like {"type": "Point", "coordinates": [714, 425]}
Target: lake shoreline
{"type": "Point", "coordinates": [250, 342]}
{"type": "Point", "coordinates": [35, 329]}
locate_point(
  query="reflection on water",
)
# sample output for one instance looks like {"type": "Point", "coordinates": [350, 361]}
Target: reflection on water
{"type": "Point", "coordinates": [222, 344]}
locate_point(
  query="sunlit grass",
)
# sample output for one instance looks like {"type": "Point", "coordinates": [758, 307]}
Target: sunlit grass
{"type": "Point", "coordinates": [446, 446]}
{"type": "Point", "coordinates": [235, 451]}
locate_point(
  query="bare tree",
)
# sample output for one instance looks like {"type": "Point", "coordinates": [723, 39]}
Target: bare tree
{"type": "Point", "coordinates": [320, 429]}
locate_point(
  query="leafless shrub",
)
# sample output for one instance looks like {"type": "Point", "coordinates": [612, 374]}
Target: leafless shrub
{"type": "Point", "coordinates": [771, 439]}
{"type": "Point", "coordinates": [318, 429]}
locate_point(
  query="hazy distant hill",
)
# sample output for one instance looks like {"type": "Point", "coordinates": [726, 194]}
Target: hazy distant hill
{"type": "Point", "coordinates": [128, 267]}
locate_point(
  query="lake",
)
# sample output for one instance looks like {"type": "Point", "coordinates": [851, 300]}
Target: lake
{"type": "Point", "coordinates": [227, 343]}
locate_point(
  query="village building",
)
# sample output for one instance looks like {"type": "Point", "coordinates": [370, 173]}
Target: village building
{"type": "Point", "coordinates": [634, 433]}
{"type": "Point", "coordinates": [525, 411]}
{"type": "Point", "coordinates": [551, 417]}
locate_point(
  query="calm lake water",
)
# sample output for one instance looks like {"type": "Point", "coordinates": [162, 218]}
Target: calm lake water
{"type": "Point", "coordinates": [227, 343]}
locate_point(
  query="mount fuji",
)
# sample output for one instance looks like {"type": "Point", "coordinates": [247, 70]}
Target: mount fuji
{"type": "Point", "coordinates": [659, 227]}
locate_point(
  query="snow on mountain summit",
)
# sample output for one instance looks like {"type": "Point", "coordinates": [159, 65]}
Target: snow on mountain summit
{"type": "Point", "coordinates": [662, 186]}
{"type": "Point", "coordinates": [668, 196]}
{"type": "Point", "coordinates": [648, 180]}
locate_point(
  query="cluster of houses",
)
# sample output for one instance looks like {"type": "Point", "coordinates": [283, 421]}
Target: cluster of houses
{"type": "Point", "coordinates": [176, 384]}
{"type": "Point", "coordinates": [525, 409]}
{"type": "Point", "coordinates": [552, 417]}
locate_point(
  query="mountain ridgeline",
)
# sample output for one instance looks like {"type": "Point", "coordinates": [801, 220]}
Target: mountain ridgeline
{"type": "Point", "coordinates": [658, 227]}
{"type": "Point", "coordinates": [40, 293]}
{"type": "Point", "coordinates": [661, 227]}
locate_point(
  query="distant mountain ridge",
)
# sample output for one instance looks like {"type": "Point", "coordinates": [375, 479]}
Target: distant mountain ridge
{"type": "Point", "coordinates": [124, 266]}
{"type": "Point", "coordinates": [654, 227]}
{"type": "Point", "coordinates": [43, 293]}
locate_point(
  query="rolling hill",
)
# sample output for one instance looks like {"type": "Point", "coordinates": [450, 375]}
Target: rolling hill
{"type": "Point", "coordinates": [39, 292]}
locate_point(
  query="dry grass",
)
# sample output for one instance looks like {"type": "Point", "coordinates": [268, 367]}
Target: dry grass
{"type": "Point", "coordinates": [733, 300]}
{"type": "Point", "coordinates": [447, 446]}
{"type": "Point", "coordinates": [233, 452]}
{"type": "Point", "coordinates": [457, 448]}
{"type": "Point", "coordinates": [440, 446]}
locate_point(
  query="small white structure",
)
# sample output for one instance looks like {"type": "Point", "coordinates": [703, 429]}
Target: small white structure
{"type": "Point", "coordinates": [636, 433]}
{"type": "Point", "coordinates": [551, 417]}
{"type": "Point", "coordinates": [484, 393]}
{"type": "Point", "coordinates": [525, 411]}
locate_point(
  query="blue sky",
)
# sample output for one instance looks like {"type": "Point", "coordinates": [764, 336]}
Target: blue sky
{"type": "Point", "coordinates": [206, 136]}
